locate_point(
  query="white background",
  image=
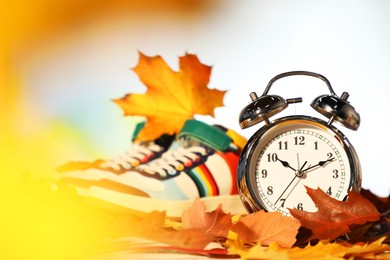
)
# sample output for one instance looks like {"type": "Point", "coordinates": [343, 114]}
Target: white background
{"type": "Point", "coordinates": [73, 77]}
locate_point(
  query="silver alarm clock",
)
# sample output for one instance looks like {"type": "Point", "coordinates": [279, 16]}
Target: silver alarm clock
{"type": "Point", "coordinates": [292, 152]}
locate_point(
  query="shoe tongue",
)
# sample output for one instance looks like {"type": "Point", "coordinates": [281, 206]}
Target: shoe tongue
{"type": "Point", "coordinates": [195, 133]}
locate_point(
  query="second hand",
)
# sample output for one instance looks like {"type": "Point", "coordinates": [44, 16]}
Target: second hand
{"type": "Point", "coordinates": [297, 174]}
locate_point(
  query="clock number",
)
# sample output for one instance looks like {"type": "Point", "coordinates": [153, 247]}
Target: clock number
{"type": "Point", "coordinates": [283, 201]}
{"type": "Point", "coordinates": [335, 174]}
{"type": "Point", "coordinates": [264, 173]}
{"type": "Point", "coordinates": [329, 191]}
{"type": "Point", "coordinates": [270, 190]}
{"type": "Point", "coordinates": [282, 145]}
{"type": "Point", "coordinates": [272, 157]}
{"type": "Point", "coordinates": [316, 145]}
{"type": "Point", "coordinates": [330, 155]}
{"type": "Point", "coordinates": [299, 140]}
{"type": "Point", "coordinates": [300, 206]}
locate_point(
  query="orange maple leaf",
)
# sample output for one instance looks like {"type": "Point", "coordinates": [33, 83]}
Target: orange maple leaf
{"type": "Point", "coordinates": [172, 97]}
{"type": "Point", "coordinates": [266, 228]}
{"type": "Point", "coordinates": [216, 222]}
{"type": "Point", "coordinates": [334, 217]}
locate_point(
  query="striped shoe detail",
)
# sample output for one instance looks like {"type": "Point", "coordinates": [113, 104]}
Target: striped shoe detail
{"type": "Point", "coordinates": [204, 181]}
{"type": "Point", "coordinates": [230, 160]}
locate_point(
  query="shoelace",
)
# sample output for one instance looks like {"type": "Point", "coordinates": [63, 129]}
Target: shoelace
{"type": "Point", "coordinates": [136, 154]}
{"type": "Point", "coordinates": [174, 161]}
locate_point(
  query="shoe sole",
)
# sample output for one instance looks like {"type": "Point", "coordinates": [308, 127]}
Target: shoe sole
{"type": "Point", "coordinates": [123, 202]}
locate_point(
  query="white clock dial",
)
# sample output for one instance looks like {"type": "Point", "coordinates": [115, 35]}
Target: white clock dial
{"type": "Point", "coordinates": [292, 155]}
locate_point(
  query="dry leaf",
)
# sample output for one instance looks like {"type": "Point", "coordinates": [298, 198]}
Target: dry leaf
{"type": "Point", "coordinates": [382, 204]}
{"type": "Point", "coordinates": [216, 222]}
{"type": "Point", "coordinates": [370, 231]}
{"type": "Point", "coordinates": [171, 97]}
{"type": "Point", "coordinates": [334, 217]}
{"type": "Point", "coordinates": [321, 250]}
{"type": "Point", "coordinates": [144, 225]}
{"type": "Point", "coordinates": [152, 226]}
{"type": "Point", "coordinates": [325, 250]}
{"type": "Point", "coordinates": [367, 250]}
{"type": "Point", "coordinates": [258, 251]}
{"type": "Point", "coordinates": [188, 238]}
{"type": "Point", "coordinates": [267, 227]}
{"type": "Point", "coordinates": [78, 166]}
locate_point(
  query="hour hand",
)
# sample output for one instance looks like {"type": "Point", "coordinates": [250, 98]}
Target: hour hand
{"type": "Point", "coordinates": [286, 164]}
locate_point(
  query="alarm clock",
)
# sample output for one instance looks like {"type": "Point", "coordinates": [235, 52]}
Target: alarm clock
{"type": "Point", "coordinates": [290, 153]}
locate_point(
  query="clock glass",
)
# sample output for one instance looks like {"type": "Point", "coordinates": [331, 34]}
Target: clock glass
{"type": "Point", "coordinates": [297, 153]}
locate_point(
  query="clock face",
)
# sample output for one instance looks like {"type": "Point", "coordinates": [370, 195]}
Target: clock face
{"type": "Point", "coordinates": [294, 154]}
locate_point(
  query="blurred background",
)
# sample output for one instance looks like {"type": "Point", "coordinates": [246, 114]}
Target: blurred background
{"type": "Point", "coordinates": [62, 62]}
{"type": "Point", "coordinates": [66, 60]}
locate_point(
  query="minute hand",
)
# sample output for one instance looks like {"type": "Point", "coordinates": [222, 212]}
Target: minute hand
{"type": "Point", "coordinates": [320, 164]}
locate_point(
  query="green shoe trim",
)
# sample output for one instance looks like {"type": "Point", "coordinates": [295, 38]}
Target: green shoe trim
{"type": "Point", "coordinates": [209, 135]}
{"type": "Point", "coordinates": [137, 129]}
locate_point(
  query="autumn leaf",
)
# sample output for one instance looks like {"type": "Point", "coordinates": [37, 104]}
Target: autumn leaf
{"type": "Point", "coordinates": [381, 203]}
{"type": "Point", "coordinates": [164, 250]}
{"type": "Point", "coordinates": [152, 226]}
{"type": "Point", "coordinates": [321, 250]}
{"type": "Point", "coordinates": [78, 166]}
{"type": "Point", "coordinates": [172, 97]}
{"type": "Point", "coordinates": [144, 225]}
{"type": "Point", "coordinates": [273, 251]}
{"type": "Point", "coordinates": [188, 238]}
{"type": "Point", "coordinates": [325, 249]}
{"type": "Point", "coordinates": [334, 217]}
{"type": "Point", "coordinates": [364, 250]}
{"type": "Point", "coordinates": [266, 228]}
{"type": "Point", "coordinates": [216, 222]}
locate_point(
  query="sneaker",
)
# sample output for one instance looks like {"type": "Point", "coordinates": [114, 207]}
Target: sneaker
{"type": "Point", "coordinates": [81, 174]}
{"type": "Point", "coordinates": [202, 163]}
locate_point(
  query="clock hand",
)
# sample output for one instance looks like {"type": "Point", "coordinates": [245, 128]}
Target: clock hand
{"type": "Point", "coordinates": [300, 172]}
{"type": "Point", "coordinates": [291, 190]}
{"type": "Point", "coordinates": [321, 164]}
{"type": "Point", "coordinates": [286, 164]}
{"type": "Point", "coordinates": [297, 174]}
{"type": "Point", "coordinates": [286, 189]}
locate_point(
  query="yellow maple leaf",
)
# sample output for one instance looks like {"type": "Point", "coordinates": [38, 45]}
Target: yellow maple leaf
{"type": "Point", "coordinates": [172, 97]}
{"type": "Point", "coordinates": [322, 250]}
